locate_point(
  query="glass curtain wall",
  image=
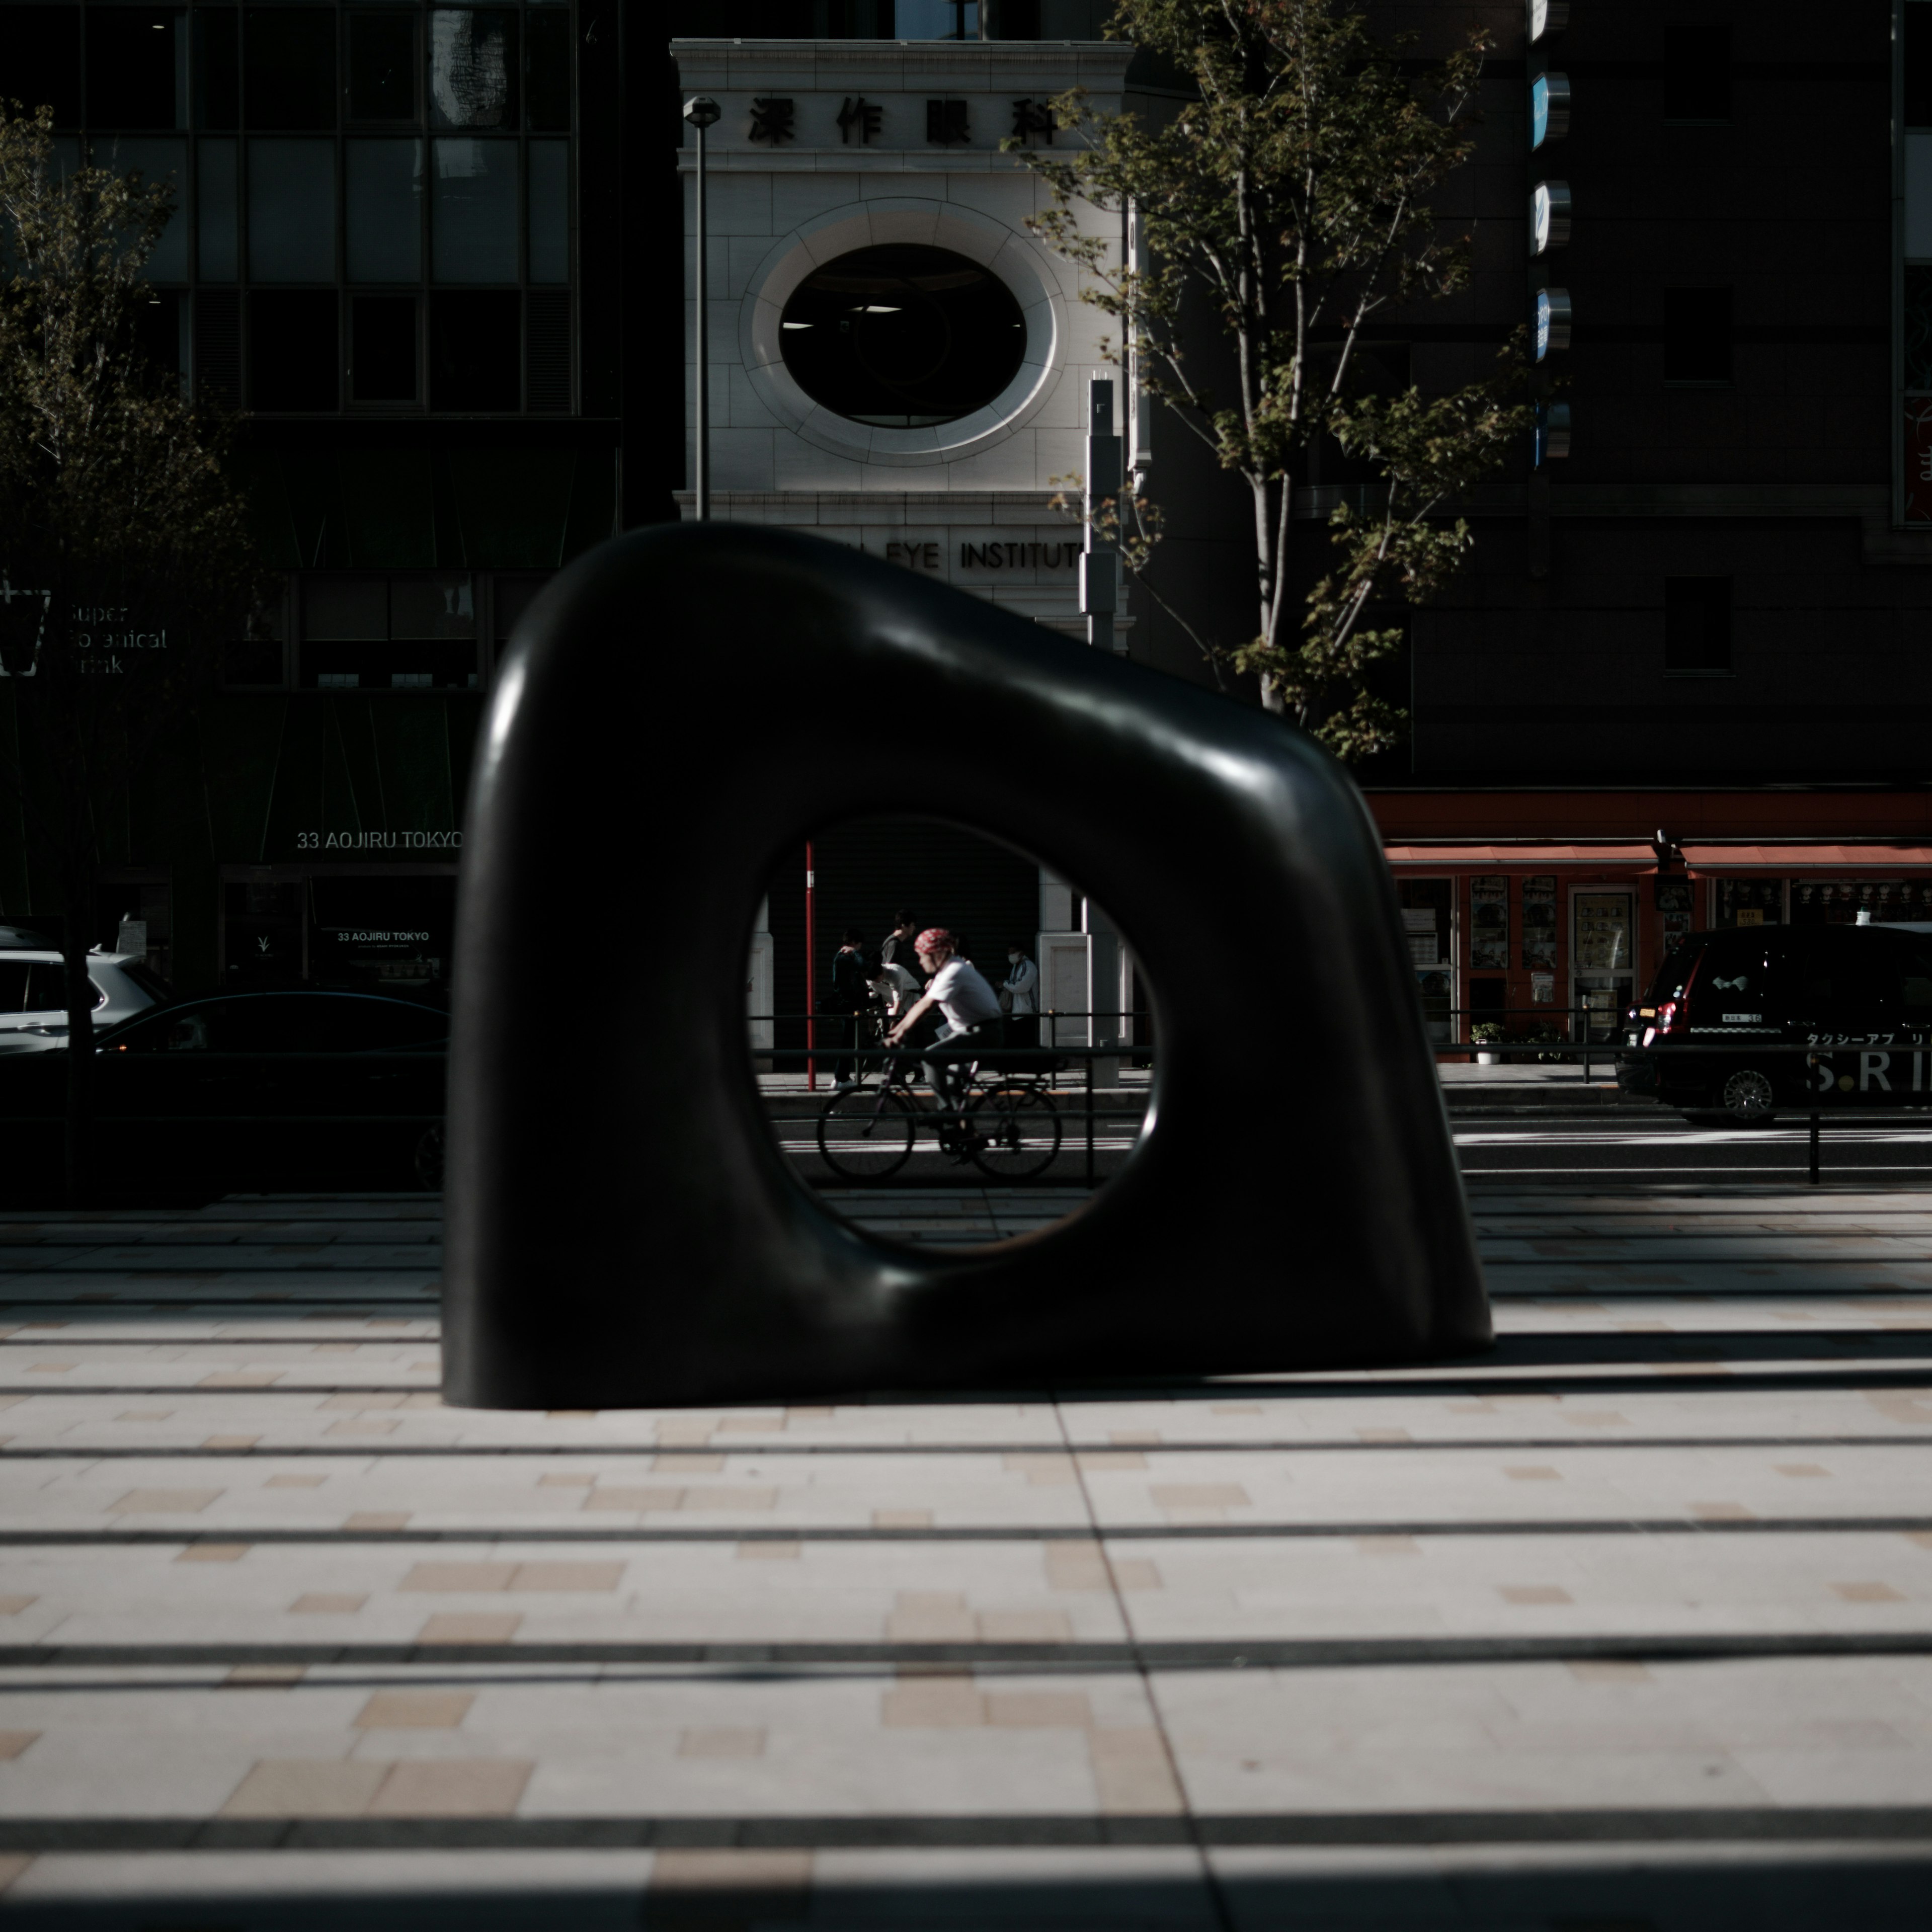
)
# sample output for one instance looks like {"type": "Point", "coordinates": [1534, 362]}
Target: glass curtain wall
{"type": "Point", "coordinates": [375, 200]}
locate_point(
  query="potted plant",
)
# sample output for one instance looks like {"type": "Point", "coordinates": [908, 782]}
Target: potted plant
{"type": "Point", "coordinates": [1487, 1034]}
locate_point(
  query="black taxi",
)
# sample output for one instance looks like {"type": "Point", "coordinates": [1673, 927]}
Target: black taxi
{"type": "Point", "coordinates": [1786, 1017]}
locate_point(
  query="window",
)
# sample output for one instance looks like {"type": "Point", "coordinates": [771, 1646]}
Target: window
{"type": "Point", "coordinates": [219, 243]}
{"type": "Point", "coordinates": [903, 336]}
{"type": "Point", "coordinates": [1750, 902]}
{"type": "Point", "coordinates": [44, 60]}
{"type": "Point", "coordinates": [47, 988]}
{"type": "Point", "coordinates": [1841, 902]}
{"type": "Point", "coordinates": [189, 1032]}
{"type": "Point", "coordinates": [137, 67]}
{"type": "Point", "coordinates": [383, 185]}
{"type": "Point", "coordinates": [475, 350]}
{"type": "Point", "coordinates": [1697, 627]}
{"type": "Point", "coordinates": [382, 349]}
{"type": "Point", "coordinates": [550, 211]}
{"type": "Point", "coordinates": [472, 68]}
{"type": "Point", "coordinates": [547, 101]}
{"type": "Point", "coordinates": [292, 210]}
{"type": "Point", "coordinates": [382, 66]}
{"type": "Point", "coordinates": [159, 160]}
{"type": "Point", "coordinates": [1918, 65]}
{"type": "Point", "coordinates": [158, 335]}
{"type": "Point", "coordinates": [1696, 335]}
{"type": "Point", "coordinates": [261, 932]}
{"type": "Point", "coordinates": [473, 211]}
{"type": "Point", "coordinates": [257, 656]}
{"type": "Point", "coordinates": [293, 351]}
{"type": "Point", "coordinates": [1428, 918]}
{"type": "Point", "coordinates": [1915, 985]}
{"type": "Point", "coordinates": [379, 931]}
{"type": "Point", "coordinates": [1697, 75]}
{"type": "Point", "coordinates": [291, 67]}
{"type": "Point", "coordinates": [217, 70]}
{"type": "Point", "coordinates": [400, 633]}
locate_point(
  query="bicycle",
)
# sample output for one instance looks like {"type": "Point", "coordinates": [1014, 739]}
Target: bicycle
{"type": "Point", "coordinates": [868, 1133]}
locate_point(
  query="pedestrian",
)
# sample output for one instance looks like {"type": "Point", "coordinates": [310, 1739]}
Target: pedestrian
{"type": "Point", "coordinates": [897, 948]}
{"type": "Point", "coordinates": [851, 993]}
{"type": "Point", "coordinates": [959, 990]}
{"type": "Point", "coordinates": [895, 987]}
{"type": "Point", "coordinates": [1020, 996]}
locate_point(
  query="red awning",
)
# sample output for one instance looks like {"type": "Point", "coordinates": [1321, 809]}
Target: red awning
{"type": "Point", "coordinates": [1715, 861]}
{"type": "Point", "coordinates": [1531, 858]}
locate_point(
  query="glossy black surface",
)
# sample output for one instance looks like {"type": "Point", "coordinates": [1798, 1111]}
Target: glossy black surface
{"type": "Point", "coordinates": [621, 1228]}
{"type": "Point", "coordinates": [284, 1089]}
{"type": "Point", "coordinates": [1769, 996]}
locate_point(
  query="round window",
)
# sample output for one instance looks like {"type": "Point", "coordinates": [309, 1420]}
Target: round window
{"type": "Point", "coordinates": [903, 336]}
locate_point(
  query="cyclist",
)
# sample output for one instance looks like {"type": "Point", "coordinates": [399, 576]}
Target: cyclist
{"type": "Point", "coordinates": [960, 992]}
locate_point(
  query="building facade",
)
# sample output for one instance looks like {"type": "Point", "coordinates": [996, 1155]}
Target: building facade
{"type": "Point", "coordinates": [378, 253]}
{"type": "Point", "coordinates": [433, 252]}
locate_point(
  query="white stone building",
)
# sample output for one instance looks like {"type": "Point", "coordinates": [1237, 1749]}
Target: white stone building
{"type": "Point", "coordinates": [827, 148]}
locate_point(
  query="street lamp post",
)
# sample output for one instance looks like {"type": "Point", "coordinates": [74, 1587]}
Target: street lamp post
{"type": "Point", "coordinates": [701, 111]}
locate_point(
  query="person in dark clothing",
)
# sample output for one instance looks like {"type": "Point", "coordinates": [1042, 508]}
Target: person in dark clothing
{"type": "Point", "coordinates": [851, 994]}
{"type": "Point", "coordinates": [897, 949]}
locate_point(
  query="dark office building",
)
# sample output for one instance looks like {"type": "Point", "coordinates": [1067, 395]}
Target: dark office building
{"type": "Point", "coordinates": [399, 247]}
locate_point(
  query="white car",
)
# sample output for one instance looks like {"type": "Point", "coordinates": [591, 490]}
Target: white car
{"type": "Point", "coordinates": [33, 992]}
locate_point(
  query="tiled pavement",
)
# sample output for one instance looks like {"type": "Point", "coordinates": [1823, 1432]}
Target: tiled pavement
{"type": "Point", "coordinates": [1628, 1624]}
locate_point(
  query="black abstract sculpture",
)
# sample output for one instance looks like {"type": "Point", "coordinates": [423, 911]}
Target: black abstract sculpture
{"type": "Point", "coordinates": [679, 709]}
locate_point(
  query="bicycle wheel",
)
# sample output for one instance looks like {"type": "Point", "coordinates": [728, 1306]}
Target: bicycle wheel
{"type": "Point", "coordinates": [1021, 1127]}
{"type": "Point", "coordinates": [866, 1135]}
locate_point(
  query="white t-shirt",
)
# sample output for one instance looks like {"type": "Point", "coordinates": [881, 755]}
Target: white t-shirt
{"type": "Point", "coordinates": [964, 996]}
{"type": "Point", "coordinates": [901, 987]}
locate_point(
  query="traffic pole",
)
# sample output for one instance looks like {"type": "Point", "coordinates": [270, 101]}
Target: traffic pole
{"type": "Point", "coordinates": [810, 981]}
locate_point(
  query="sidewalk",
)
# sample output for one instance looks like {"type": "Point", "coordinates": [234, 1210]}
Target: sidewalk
{"type": "Point", "coordinates": [1628, 1623]}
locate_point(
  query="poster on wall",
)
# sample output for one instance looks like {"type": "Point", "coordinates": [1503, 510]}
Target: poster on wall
{"type": "Point", "coordinates": [1673, 906]}
{"type": "Point", "coordinates": [1489, 922]}
{"type": "Point", "coordinates": [1539, 924]}
{"type": "Point", "coordinates": [1425, 948]}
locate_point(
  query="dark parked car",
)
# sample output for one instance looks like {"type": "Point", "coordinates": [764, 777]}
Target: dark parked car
{"type": "Point", "coordinates": [275, 1089]}
{"type": "Point", "coordinates": [1861, 995]}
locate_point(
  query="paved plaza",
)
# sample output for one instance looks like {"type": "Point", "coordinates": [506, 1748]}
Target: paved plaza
{"type": "Point", "coordinates": [1626, 1625]}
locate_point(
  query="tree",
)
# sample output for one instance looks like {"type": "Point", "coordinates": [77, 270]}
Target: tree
{"type": "Point", "coordinates": [1289, 202]}
{"type": "Point", "coordinates": [126, 567]}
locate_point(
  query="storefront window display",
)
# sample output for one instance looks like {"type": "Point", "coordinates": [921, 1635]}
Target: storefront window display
{"type": "Point", "coordinates": [1839, 902]}
{"type": "Point", "coordinates": [1428, 915]}
{"type": "Point", "coordinates": [261, 933]}
{"type": "Point", "coordinates": [1539, 923]}
{"type": "Point", "coordinates": [1602, 962]}
{"type": "Point", "coordinates": [1489, 924]}
{"type": "Point", "coordinates": [1750, 902]}
{"type": "Point", "coordinates": [385, 934]}
{"type": "Point", "coordinates": [373, 931]}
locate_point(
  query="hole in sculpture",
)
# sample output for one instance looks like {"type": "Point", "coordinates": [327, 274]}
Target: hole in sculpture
{"type": "Point", "coordinates": [1015, 1144]}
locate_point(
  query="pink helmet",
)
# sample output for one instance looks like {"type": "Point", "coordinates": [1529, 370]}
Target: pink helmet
{"type": "Point", "coordinates": [934, 939]}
